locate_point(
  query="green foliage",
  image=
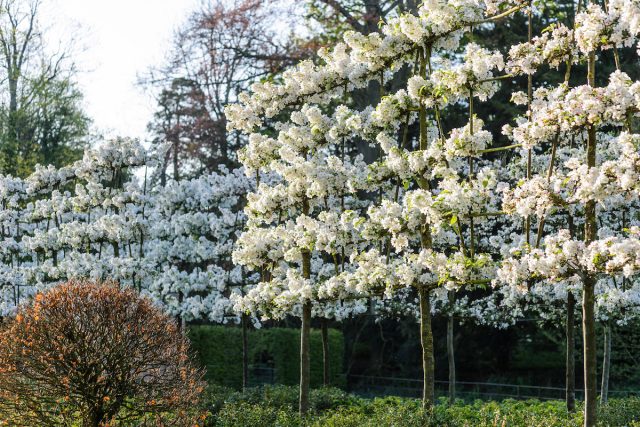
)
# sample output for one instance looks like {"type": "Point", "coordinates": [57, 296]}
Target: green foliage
{"type": "Point", "coordinates": [389, 411]}
{"type": "Point", "coordinates": [620, 412]}
{"type": "Point", "coordinates": [220, 350]}
{"type": "Point", "coordinates": [49, 128]}
{"type": "Point", "coordinates": [268, 406]}
{"type": "Point", "coordinates": [245, 414]}
{"type": "Point", "coordinates": [277, 406]}
{"type": "Point", "coordinates": [531, 413]}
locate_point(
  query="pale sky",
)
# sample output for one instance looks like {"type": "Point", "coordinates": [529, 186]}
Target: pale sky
{"type": "Point", "coordinates": [116, 40]}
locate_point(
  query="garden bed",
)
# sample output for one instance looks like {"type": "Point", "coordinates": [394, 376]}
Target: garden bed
{"type": "Point", "coordinates": [277, 406]}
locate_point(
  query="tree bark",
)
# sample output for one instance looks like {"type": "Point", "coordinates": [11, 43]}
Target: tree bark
{"type": "Point", "coordinates": [426, 338]}
{"type": "Point", "coordinates": [305, 358]}
{"type": "Point", "coordinates": [426, 335]}
{"type": "Point", "coordinates": [606, 364]}
{"type": "Point", "coordinates": [94, 418]}
{"type": "Point", "coordinates": [450, 352]}
{"type": "Point", "coordinates": [589, 338]}
{"type": "Point", "coordinates": [305, 330]}
{"type": "Point", "coordinates": [245, 352]}
{"type": "Point", "coordinates": [325, 353]}
{"type": "Point", "coordinates": [589, 282]}
{"type": "Point", "coordinates": [571, 357]}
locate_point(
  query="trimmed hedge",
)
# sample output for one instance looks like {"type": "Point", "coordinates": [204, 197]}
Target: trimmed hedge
{"type": "Point", "coordinates": [219, 349]}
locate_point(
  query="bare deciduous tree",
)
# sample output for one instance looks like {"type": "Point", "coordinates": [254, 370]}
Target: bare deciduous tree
{"type": "Point", "coordinates": [222, 49]}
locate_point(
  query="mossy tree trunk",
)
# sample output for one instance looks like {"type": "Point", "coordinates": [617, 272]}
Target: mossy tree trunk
{"type": "Point", "coordinates": [571, 356]}
{"type": "Point", "coordinates": [426, 338]}
{"type": "Point", "coordinates": [451, 351]}
{"type": "Point", "coordinates": [305, 358]}
{"type": "Point", "coordinates": [589, 282]}
{"type": "Point", "coordinates": [606, 364]}
{"type": "Point", "coordinates": [326, 371]}
{"type": "Point", "coordinates": [245, 352]}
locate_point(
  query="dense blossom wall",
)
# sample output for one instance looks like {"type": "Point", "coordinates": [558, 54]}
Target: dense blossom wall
{"type": "Point", "coordinates": [104, 217]}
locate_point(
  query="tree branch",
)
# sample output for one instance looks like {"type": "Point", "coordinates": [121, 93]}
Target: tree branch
{"type": "Point", "coordinates": [345, 13]}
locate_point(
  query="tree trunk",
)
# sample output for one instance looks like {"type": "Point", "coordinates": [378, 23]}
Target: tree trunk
{"type": "Point", "coordinates": [305, 330]}
{"type": "Point", "coordinates": [589, 338]}
{"type": "Point", "coordinates": [305, 358]}
{"type": "Point", "coordinates": [94, 418]}
{"type": "Point", "coordinates": [450, 353]}
{"type": "Point", "coordinates": [325, 353]}
{"type": "Point", "coordinates": [13, 90]}
{"type": "Point", "coordinates": [12, 124]}
{"type": "Point", "coordinates": [589, 282]}
{"type": "Point", "coordinates": [571, 357]}
{"type": "Point", "coordinates": [426, 338]}
{"type": "Point", "coordinates": [245, 352]}
{"type": "Point", "coordinates": [606, 364]}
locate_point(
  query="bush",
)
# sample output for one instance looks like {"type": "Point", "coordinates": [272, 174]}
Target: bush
{"type": "Point", "coordinates": [620, 412]}
{"type": "Point", "coordinates": [530, 413]}
{"type": "Point", "coordinates": [255, 415]}
{"type": "Point", "coordinates": [330, 407]}
{"type": "Point", "coordinates": [219, 348]}
{"type": "Point", "coordinates": [279, 397]}
{"type": "Point", "coordinates": [96, 353]}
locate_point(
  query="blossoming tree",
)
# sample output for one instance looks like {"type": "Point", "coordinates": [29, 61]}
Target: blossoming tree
{"type": "Point", "coordinates": [589, 184]}
{"type": "Point", "coordinates": [425, 195]}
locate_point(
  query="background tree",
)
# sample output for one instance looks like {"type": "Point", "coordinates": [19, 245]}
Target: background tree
{"type": "Point", "coordinates": [222, 48]}
{"type": "Point", "coordinates": [41, 118]}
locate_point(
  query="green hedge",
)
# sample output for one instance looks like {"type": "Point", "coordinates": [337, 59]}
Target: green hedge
{"type": "Point", "coordinates": [219, 349]}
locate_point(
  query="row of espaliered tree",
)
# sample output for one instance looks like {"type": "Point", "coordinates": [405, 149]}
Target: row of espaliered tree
{"type": "Point", "coordinates": [432, 220]}
{"type": "Point", "coordinates": [419, 215]}
{"type": "Point", "coordinates": [103, 217]}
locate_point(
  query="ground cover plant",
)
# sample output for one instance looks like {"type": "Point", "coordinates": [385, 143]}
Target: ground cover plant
{"type": "Point", "coordinates": [275, 405]}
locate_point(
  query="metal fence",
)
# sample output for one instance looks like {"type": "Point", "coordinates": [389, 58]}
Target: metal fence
{"type": "Point", "coordinates": [372, 386]}
{"type": "Point", "coordinates": [378, 386]}
{"type": "Point", "coordinates": [260, 374]}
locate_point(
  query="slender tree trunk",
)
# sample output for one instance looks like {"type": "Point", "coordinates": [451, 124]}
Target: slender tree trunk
{"type": "Point", "coordinates": [245, 352]}
{"type": "Point", "coordinates": [589, 283]}
{"type": "Point", "coordinates": [606, 364]}
{"type": "Point", "coordinates": [176, 149]}
{"type": "Point", "coordinates": [451, 352]}
{"type": "Point", "coordinates": [12, 124]}
{"type": "Point", "coordinates": [305, 331]}
{"type": "Point", "coordinates": [589, 338]}
{"type": "Point", "coordinates": [325, 353]}
{"type": "Point", "coordinates": [305, 358]}
{"type": "Point", "coordinates": [426, 338]}
{"type": "Point", "coordinates": [571, 357]}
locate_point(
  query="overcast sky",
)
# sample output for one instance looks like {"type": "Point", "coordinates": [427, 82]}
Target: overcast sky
{"type": "Point", "coordinates": [116, 40]}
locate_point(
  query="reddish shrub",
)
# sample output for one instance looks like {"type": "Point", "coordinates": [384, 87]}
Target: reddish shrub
{"type": "Point", "coordinates": [99, 353]}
